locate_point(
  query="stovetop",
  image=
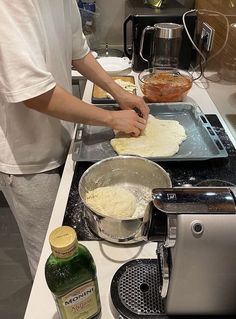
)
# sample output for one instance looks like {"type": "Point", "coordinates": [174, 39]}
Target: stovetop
{"type": "Point", "coordinates": [219, 172]}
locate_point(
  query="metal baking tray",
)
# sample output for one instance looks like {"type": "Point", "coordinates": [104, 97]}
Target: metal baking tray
{"type": "Point", "coordinates": [99, 96]}
{"type": "Point", "coordinates": [92, 143]}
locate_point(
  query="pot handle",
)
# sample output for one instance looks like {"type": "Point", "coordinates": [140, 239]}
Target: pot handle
{"type": "Point", "coordinates": [77, 143]}
{"type": "Point", "coordinates": [148, 28]}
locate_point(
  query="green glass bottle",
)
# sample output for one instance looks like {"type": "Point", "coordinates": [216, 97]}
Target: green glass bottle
{"type": "Point", "coordinates": [70, 273]}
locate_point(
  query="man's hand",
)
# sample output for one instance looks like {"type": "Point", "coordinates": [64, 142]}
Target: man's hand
{"type": "Point", "coordinates": [128, 101]}
{"type": "Point", "coordinates": [61, 104]}
{"type": "Point", "coordinates": [127, 121]}
{"type": "Point", "coordinates": [90, 68]}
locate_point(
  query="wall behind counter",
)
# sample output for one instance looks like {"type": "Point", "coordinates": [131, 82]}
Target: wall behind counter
{"type": "Point", "coordinates": [227, 7]}
{"type": "Point", "coordinates": [110, 18]}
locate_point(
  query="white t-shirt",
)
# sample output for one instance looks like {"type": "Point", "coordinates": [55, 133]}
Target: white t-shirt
{"type": "Point", "coordinates": [38, 41]}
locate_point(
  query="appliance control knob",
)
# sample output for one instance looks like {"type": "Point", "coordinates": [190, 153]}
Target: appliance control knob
{"type": "Point", "coordinates": [197, 228]}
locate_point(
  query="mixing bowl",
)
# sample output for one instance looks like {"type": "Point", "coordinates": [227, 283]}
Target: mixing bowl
{"type": "Point", "coordinates": [164, 85]}
{"type": "Point", "coordinates": [138, 175]}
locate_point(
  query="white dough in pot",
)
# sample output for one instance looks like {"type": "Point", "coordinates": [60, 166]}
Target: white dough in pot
{"type": "Point", "coordinates": [114, 201]}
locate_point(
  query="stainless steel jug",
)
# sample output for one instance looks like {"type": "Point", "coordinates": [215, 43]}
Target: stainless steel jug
{"type": "Point", "coordinates": [165, 47]}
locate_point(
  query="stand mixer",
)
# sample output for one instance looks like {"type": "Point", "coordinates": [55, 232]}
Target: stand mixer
{"type": "Point", "coordinates": [195, 269]}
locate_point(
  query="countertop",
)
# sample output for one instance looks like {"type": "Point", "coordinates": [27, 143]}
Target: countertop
{"type": "Point", "coordinates": [223, 95]}
{"type": "Point", "coordinates": [108, 257]}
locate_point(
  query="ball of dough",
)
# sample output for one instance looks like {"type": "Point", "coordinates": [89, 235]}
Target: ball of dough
{"type": "Point", "coordinates": [113, 201]}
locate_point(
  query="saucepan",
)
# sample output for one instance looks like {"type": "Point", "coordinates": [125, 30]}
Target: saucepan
{"type": "Point", "coordinates": [138, 175]}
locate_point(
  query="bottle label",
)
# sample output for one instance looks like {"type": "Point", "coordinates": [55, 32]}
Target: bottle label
{"type": "Point", "coordinates": [80, 303]}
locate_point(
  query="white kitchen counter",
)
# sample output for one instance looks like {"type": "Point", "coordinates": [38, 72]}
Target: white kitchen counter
{"type": "Point", "coordinates": [108, 257]}
{"type": "Point", "coordinates": [223, 94]}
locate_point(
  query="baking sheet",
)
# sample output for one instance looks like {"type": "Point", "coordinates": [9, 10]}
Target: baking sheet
{"type": "Point", "coordinates": [99, 96]}
{"type": "Point", "coordinates": [92, 143]}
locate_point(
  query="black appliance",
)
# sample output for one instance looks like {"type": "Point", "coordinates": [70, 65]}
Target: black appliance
{"type": "Point", "coordinates": [139, 16]}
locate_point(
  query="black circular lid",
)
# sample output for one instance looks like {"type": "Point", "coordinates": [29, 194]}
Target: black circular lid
{"type": "Point", "coordinates": [134, 290]}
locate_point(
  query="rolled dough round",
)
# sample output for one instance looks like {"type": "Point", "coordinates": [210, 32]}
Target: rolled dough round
{"type": "Point", "coordinates": [114, 201]}
{"type": "Point", "coordinates": [160, 138]}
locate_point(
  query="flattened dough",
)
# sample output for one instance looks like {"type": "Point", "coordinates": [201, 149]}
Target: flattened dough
{"type": "Point", "coordinates": [114, 201]}
{"type": "Point", "coordinates": [160, 138]}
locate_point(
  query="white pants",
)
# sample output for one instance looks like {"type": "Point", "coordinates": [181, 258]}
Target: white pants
{"type": "Point", "coordinates": [31, 199]}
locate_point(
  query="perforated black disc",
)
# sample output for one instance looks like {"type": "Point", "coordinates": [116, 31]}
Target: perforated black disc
{"type": "Point", "coordinates": [135, 290]}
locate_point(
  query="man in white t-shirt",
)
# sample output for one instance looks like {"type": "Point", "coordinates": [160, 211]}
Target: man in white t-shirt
{"type": "Point", "coordinates": [39, 42]}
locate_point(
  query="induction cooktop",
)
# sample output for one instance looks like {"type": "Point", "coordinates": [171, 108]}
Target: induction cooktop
{"type": "Point", "coordinates": [217, 172]}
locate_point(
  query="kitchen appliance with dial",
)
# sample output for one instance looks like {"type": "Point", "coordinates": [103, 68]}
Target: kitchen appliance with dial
{"type": "Point", "coordinates": [195, 272]}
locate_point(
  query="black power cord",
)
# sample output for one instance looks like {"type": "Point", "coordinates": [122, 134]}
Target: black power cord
{"type": "Point", "coordinates": [204, 58]}
{"type": "Point", "coordinates": [202, 64]}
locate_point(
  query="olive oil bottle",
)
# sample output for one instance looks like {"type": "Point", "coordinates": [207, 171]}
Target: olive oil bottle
{"type": "Point", "coordinates": [70, 273]}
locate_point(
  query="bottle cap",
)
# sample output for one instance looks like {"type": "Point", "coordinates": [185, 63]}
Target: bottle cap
{"type": "Point", "coordinates": [63, 241]}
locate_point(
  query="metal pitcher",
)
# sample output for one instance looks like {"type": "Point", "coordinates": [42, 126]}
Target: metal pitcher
{"type": "Point", "coordinates": [165, 46]}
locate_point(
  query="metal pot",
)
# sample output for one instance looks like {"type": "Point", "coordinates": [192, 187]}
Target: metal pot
{"type": "Point", "coordinates": [135, 173]}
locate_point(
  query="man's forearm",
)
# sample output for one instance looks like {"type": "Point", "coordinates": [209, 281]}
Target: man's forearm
{"type": "Point", "coordinates": [90, 68]}
{"type": "Point", "coordinates": [61, 104]}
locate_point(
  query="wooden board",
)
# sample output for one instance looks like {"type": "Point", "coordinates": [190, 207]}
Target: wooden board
{"type": "Point", "coordinates": [99, 96]}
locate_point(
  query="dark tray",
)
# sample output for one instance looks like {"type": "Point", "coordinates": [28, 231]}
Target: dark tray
{"type": "Point", "coordinates": [99, 95]}
{"type": "Point", "coordinates": [92, 143]}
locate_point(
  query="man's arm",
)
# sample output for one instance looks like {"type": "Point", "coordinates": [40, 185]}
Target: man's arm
{"type": "Point", "coordinates": [61, 104]}
{"type": "Point", "coordinates": [92, 70]}
{"type": "Point", "coordinates": [89, 67]}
